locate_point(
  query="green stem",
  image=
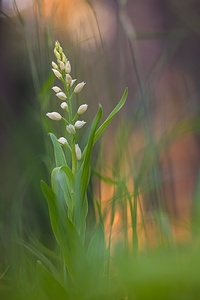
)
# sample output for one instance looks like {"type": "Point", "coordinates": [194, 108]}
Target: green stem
{"type": "Point", "coordinates": [65, 120]}
{"type": "Point", "coordinates": [73, 154]}
{"type": "Point", "coordinates": [70, 122]}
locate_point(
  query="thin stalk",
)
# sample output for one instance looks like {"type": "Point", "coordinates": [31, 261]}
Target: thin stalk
{"type": "Point", "coordinates": [73, 154]}
{"type": "Point", "coordinates": [70, 122]}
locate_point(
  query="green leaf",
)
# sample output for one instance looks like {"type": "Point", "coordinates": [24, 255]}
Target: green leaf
{"type": "Point", "coordinates": [121, 103]}
{"type": "Point", "coordinates": [62, 185]}
{"type": "Point", "coordinates": [82, 180]}
{"type": "Point", "coordinates": [96, 255]}
{"type": "Point", "coordinates": [51, 287]}
{"type": "Point", "coordinates": [69, 240]}
{"type": "Point", "coordinates": [69, 174]}
{"type": "Point", "coordinates": [58, 151]}
{"type": "Point", "coordinates": [87, 157]}
{"type": "Point", "coordinates": [50, 198]}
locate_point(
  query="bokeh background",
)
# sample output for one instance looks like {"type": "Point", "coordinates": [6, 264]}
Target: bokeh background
{"type": "Point", "coordinates": [150, 46]}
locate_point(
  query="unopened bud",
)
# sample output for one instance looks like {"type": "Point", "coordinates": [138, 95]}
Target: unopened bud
{"type": "Point", "coordinates": [79, 124]}
{"type": "Point", "coordinates": [71, 129]}
{"type": "Point", "coordinates": [57, 73]}
{"type": "Point", "coordinates": [61, 96]}
{"type": "Point", "coordinates": [73, 80]}
{"type": "Point", "coordinates": [64, 58]}
{"type": "Point", "coordinates": [79, 87]}
{"type": "Point", "coordinates": [62, 65]}
{"type": "Point", "coordinates": [54, 116]}
{"type": "Point", "coordinates": [63, 141]}
{"type": "Point", "coordinates": [54, 65]}
{"type": "Point", "coordinates": [57, 55]}
{"type": "Point", "coordinates": [78, 152]}
{"type": "Point", "coordinates": [56, 89]}
{"type": "Point", "coordinates": [82, 109]}
{"type": "Point", "coordinates": [68, 79]}
{"type": "Point", "coordinates": [64, 105]}
{"type": "Point", "coordinates": [68, 67]}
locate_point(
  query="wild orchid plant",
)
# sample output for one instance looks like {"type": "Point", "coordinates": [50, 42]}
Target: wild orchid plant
{"type": "Point", "coordinates": [67, 196]}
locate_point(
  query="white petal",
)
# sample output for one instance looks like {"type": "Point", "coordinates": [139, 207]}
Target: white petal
{"type": "Point", "coordinates": [79, 87]}
{"type": "Point", "coordinates": [63, 141]}
{"type": "Point", "coordinates": [78, 152]}
{"type": "Point", "coordinates": [68, 79]}
{"type": "Point", "coordinates": [68, 67]}
{"type": "Point", "coordinates": [57, 73]}
{"type": "Point", "coordinates": [54, 65]}
{"type": "Point", "coordinates": [79, 124]}
{"type": "Point", "coordinates": [64, 105]}
{"type": "Point", "coordinates": [82, 109]}
{"type": "Point", "coordinates": [62, 65]}
{"type": "Point", "coordinates": [71, 129]}
{"type": "Point", "coordinates": [54, 116]}
{"type": "Point", "coordinates": [61, 96]}
{"type": "Point", "coordinates": [56, 89]}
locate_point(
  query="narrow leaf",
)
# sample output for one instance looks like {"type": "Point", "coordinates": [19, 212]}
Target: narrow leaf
{"type": "Point", "coordinates": [82, 180]}
{"type": "Point", "coordinates": [121, 103]}
{"type": "Point", "coordinates": [96, 255]}
{"type": "Point", "coordinates": [68, 239]}
{"type": "Point", "coordinates": [58, 151]}
{"type": "Point", "coordinates": [51, 287]}
{"type": "Point", "coordinates": [87, 157]}
{"type": "Point", "coordinates": [63, 190]}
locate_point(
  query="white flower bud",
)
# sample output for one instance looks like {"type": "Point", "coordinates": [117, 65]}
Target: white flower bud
{"type": "Point", "coordinates": [71, 129]}
{"type": "Point", "coordinates": [62, 65]}
{"type": "Point", "coordinates": [63, 141]}
{"type": "Point", "coordinates": [56, 89]}
{"type": "Point", "coordinates": [78, 152]}
{"type": "Point", "coordinates": [61, 96]}
{"type": "Point", "coordinates": [54, 65]}
{"type": "Point", "coordinates": [82, 109]}
{"type": "Point", "coordinates": [54, 116]}
{"type": "Point", "coordinates": [68, 79]}
{"type": "Point", "coordinates": [79, 87]}
{"type": "Point", "coordinates": [73, 80]}
{"type": "Point", "coordinates": [57, 55]}
{"type": "Point", "coordinates": [79, 124]}
{"type": "Point", "coordinates": [64, 59]}
{"type": "Point", "coordinates": [68, 67]}
{"type": "Point", "coordinates": [64, 105]}
{"type": "Point", "coordinates": [57, 73]}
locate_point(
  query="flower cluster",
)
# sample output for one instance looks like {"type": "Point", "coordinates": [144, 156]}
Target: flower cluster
{"type": "Point", "coordinates": [62, 70]}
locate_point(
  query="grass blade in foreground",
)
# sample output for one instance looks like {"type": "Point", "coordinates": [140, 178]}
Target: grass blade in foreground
{"type": "Point", "coordinates": [51, 287]}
